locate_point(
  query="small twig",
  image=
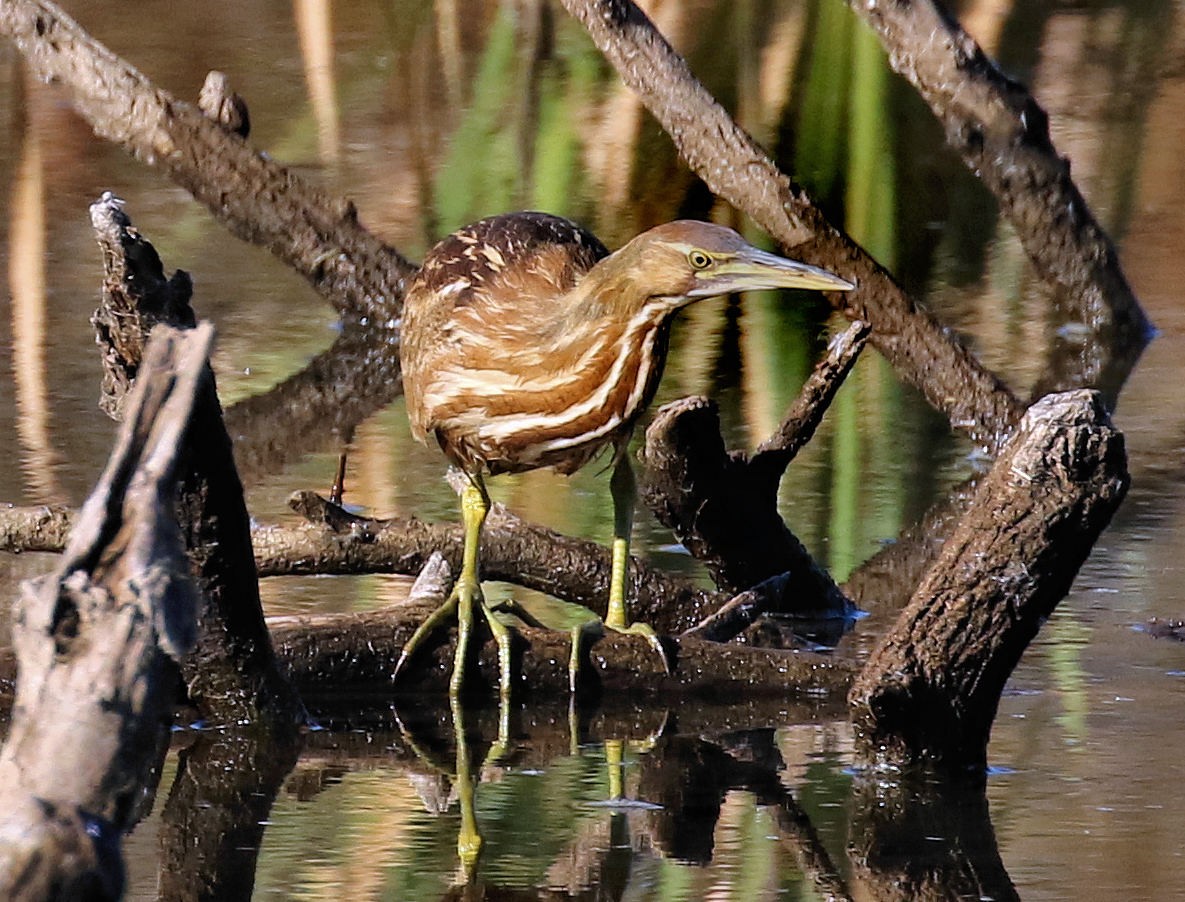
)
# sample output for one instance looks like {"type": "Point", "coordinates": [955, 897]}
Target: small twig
{"type": "Point", "coordinates": [740, 611]}
{"type": "Point", "coordinates": [798, 426]}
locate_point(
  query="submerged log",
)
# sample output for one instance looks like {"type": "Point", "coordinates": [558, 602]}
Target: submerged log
{"type": "Point", "coordinates": [930, 690]}
{"type": "Point", "coordinates": [98, 642]}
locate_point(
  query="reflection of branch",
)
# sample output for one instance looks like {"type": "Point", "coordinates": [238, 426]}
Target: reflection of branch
{"type": "Point", "coordinates": [1003, 136]}
{"type": "Point", "coordinates": [256, 198]}
{"type": "Point", "coordinates": [949, 818]}
{"type": "Point", "coordinates": [318, 407]}
{"type": "Point", "coordinates": [734, 167]}
{"type": "Point", "coordinates": [931, 688]}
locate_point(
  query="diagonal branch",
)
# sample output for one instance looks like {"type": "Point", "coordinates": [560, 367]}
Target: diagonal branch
{"type": "Point", "coordinates": [257, 199]}
{"type": "Point", "coordinates": [1002, 134]}
{"type": "Point", "coordinates": [924, 353]}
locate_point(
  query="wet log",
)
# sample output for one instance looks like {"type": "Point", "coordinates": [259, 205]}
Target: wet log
{"type": "Point", "coordinates": [231, 672]}
{"type": "Point", "coordinates": [924, 353]}
{"type": "Point", "coordinates": [1003, 136]}
{"type": "Point", "coordinates": [930, 690]}
{"type": "Point", "coordinates": [256, 198]}
{"type": "Point", "coordinates": [98, 642]}
{"type": "Point", "coordinates": [722, 505]}
{"type": "Point", "coordinates": [356, 654]}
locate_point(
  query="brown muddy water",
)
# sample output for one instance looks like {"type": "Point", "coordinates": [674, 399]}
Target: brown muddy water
{"type": "Point", "coordinates": [431, 115]}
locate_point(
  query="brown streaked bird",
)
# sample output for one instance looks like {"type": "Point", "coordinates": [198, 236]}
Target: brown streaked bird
{"type": "Point", "coordinates": [526, 344]}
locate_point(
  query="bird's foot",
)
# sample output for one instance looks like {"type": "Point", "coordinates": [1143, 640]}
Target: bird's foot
{"type": "Point", "coordinates": [459, 606]}
{"type": "Point", "coordinates": [646, 631]}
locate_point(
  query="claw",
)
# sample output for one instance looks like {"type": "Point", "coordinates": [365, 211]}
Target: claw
{"type": "Point", "coordinates": [647, 632]}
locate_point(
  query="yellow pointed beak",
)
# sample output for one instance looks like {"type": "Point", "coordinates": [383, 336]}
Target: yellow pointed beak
{"type": "Point", "coordinates": [751, 269]}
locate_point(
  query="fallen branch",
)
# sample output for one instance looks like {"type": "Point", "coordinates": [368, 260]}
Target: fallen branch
{"type": "Point", "coordinates": [512, 550]}
{"type": "Point", "coordinates": [931, 688]}
{"type": "Point", "coordinates": [98, 642]}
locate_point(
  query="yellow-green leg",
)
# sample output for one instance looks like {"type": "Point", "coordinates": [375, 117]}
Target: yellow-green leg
{"type": "Point", "coordinates": [624, 490]}
{"type": "Point", "coordinates": [466, 594]}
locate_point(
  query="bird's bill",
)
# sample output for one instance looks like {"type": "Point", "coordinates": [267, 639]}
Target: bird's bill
{"type": "Point", "coordinates": [754, 270]}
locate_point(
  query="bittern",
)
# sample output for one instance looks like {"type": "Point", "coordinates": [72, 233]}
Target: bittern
{"type": "Point", "coordinates": [526, 344]}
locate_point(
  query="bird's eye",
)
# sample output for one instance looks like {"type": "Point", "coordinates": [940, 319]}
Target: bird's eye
{"type": "Point", "coordinates": [699, 260]}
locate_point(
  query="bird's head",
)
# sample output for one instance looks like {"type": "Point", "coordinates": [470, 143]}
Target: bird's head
{"type": "Point", "coordinates": [687, 260]}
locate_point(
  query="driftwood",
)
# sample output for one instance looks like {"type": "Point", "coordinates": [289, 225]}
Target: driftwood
{"type": "Point", "coordinates": [930, 690]}
{"type": "Point", "coordinates": [231, 671]}
{"type": "Point", "coordinates": [98, 642]}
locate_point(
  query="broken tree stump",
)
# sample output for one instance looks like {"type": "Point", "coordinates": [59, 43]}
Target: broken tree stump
{"type": "Point", "coordinates": [98, 642]}
{"type": "Point", "coordinates": [930, 690]}
{"type": "Point", "coordinates": [231, 673]}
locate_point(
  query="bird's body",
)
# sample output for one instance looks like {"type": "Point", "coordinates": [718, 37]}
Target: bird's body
{"type": "Point", "coordinates": [520, 366]}
{"type": "Point", "coordinates": [525, 344]}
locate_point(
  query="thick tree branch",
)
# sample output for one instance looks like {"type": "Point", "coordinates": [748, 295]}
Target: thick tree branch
{"type": "Point", "coordinates": [930, 689]}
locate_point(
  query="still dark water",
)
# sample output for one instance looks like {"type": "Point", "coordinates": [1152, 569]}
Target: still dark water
{"type": "Point", "coordinates": [431, 115]}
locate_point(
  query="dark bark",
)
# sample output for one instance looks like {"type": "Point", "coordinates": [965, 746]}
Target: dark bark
{"type": "Point", "coordinates": [231, 672]}
{"type": "Point", "coordinates": [256, 198]}
{"type": "Point", "coordinates": [1002, 134]}
{"type": "Point", "coordinates": [512, 550]}
{"type": "Point", "coordinates": [931, 688]}
{"type": "Point", "coordinates": [923, 838]}
{"type": "Point", "coordinates": [356, 653]}
{"type": "Point", "coordinates": [924, 353]}
{"type": "Point", "coordinates": [725, 516]}
{"type": "Point", "coordinates": [723, 506]}
{"type": "Point", "coordinates": [98, 642]}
